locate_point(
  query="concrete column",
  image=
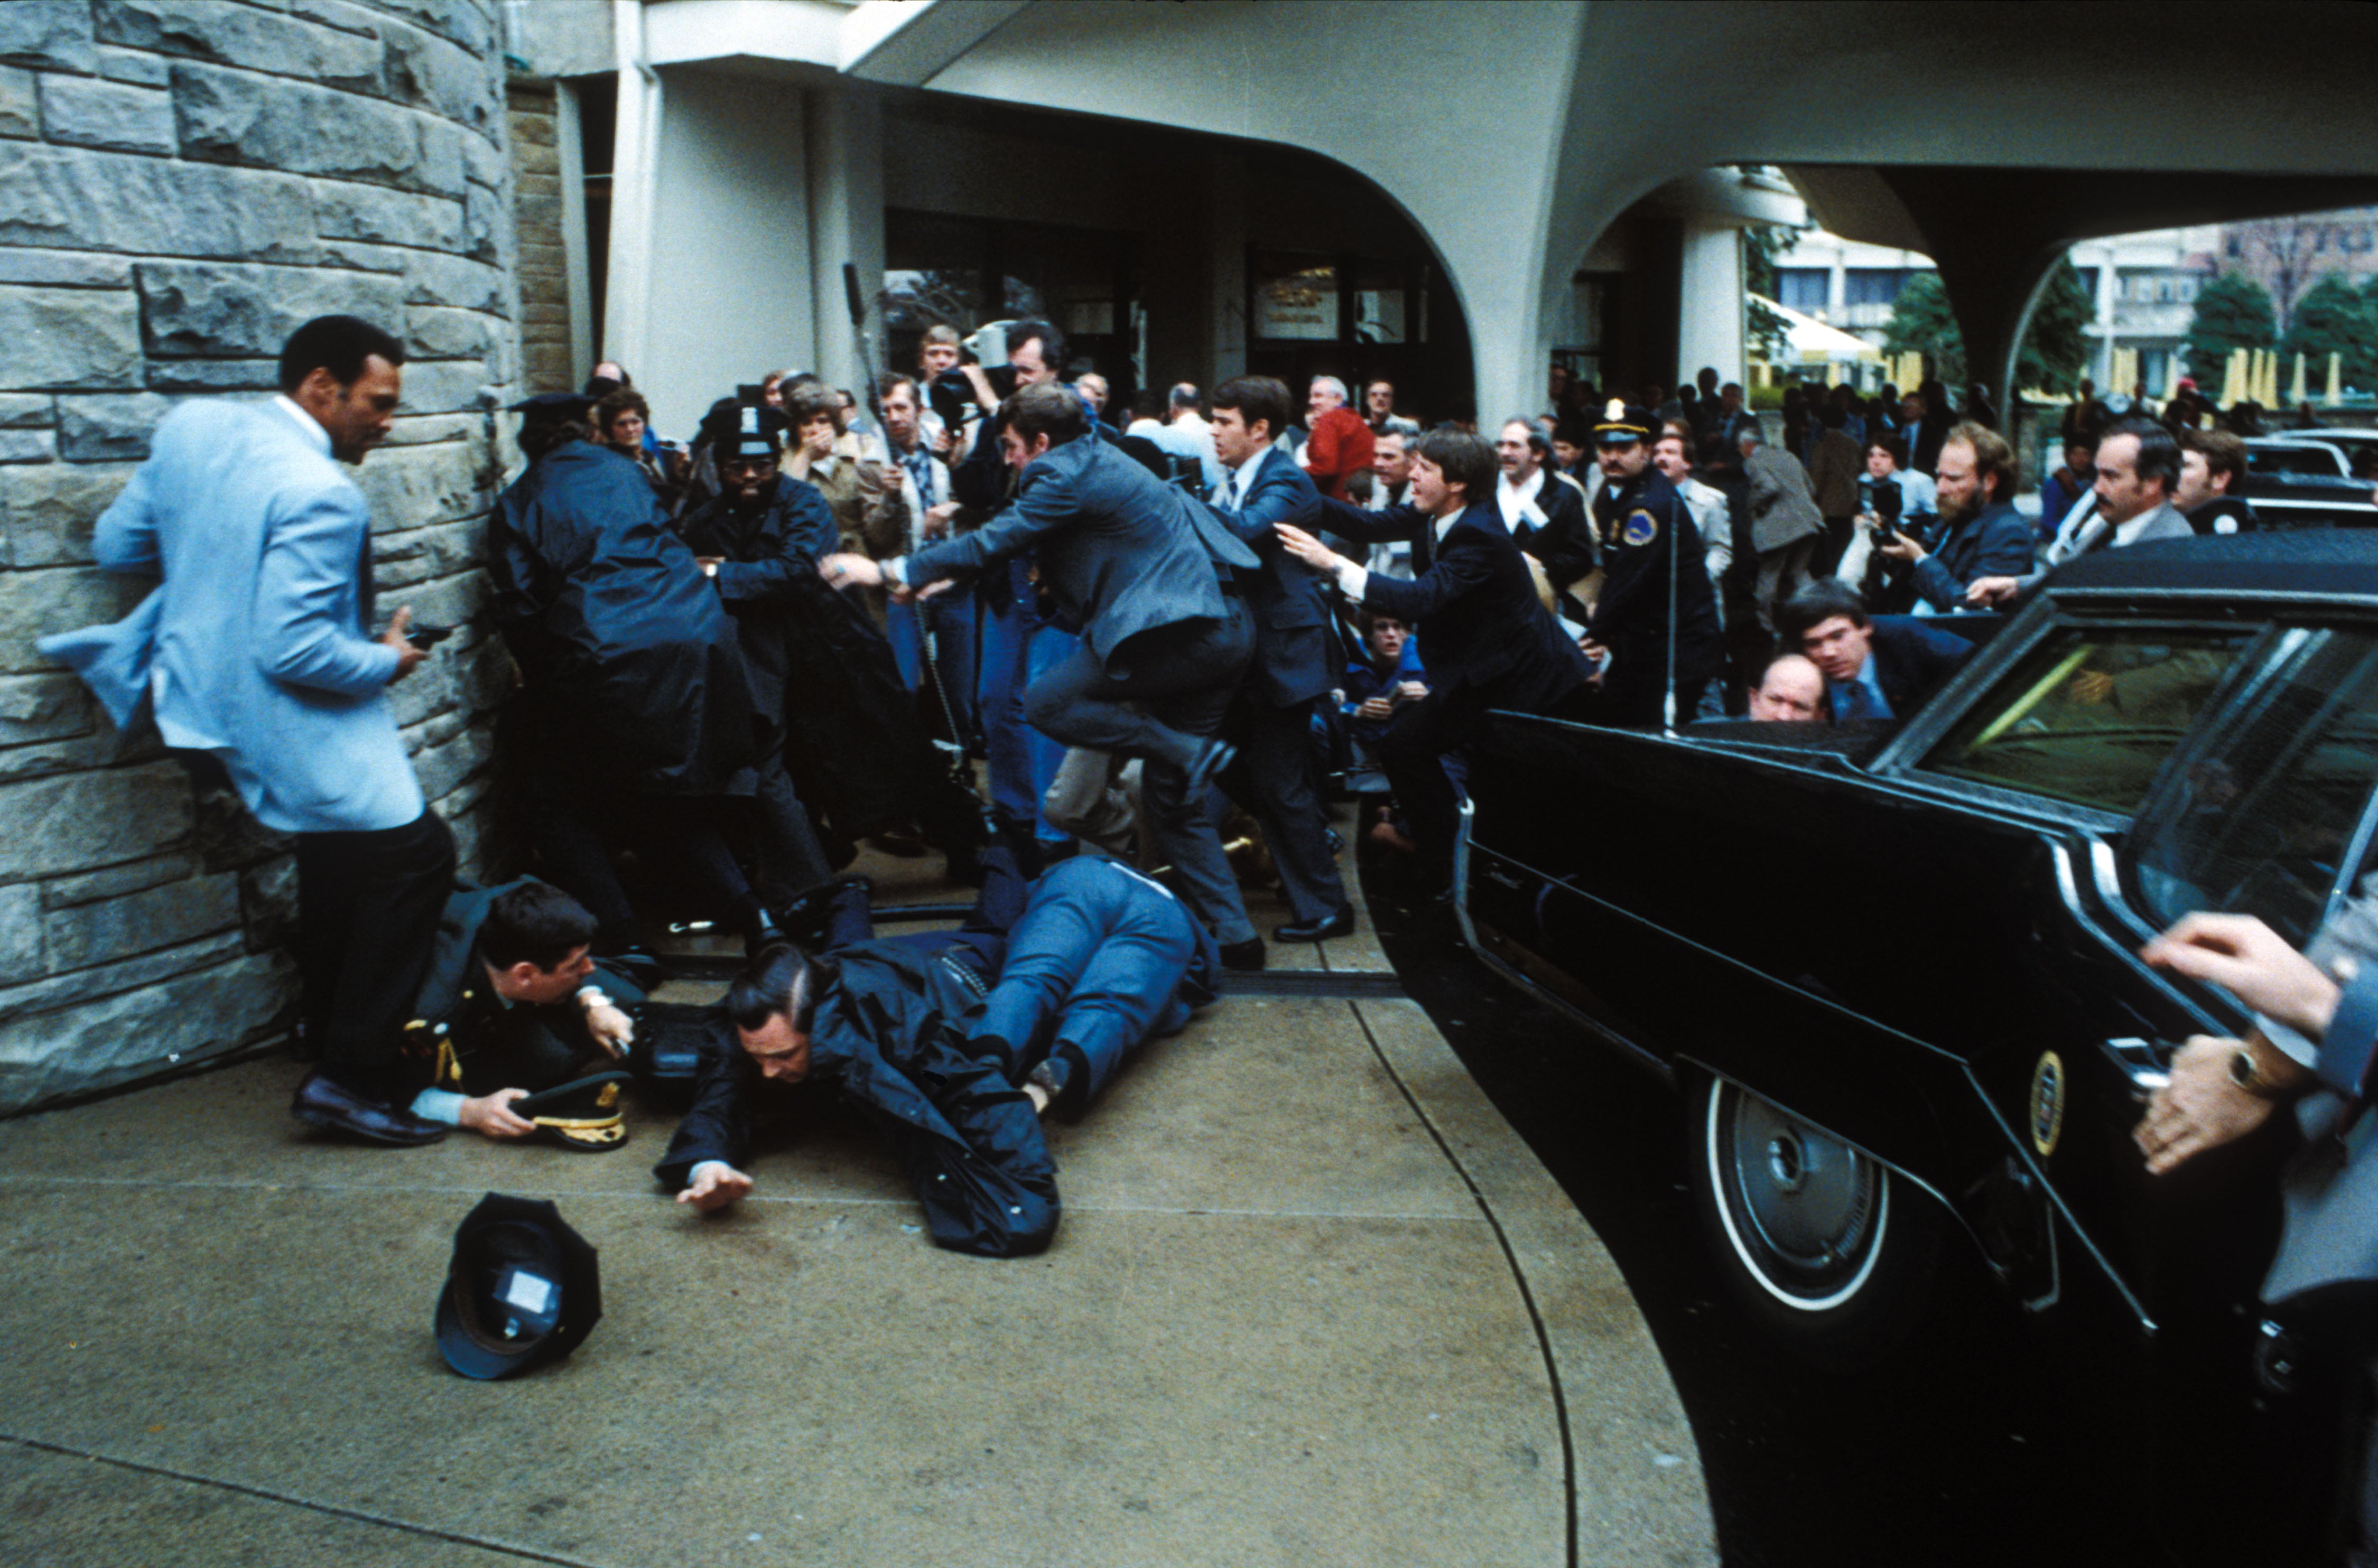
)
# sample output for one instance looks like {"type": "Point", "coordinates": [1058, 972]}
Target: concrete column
{"type": "Point", "coordinates": [725, 291]}
{"type": "Point", "coordinates": [570, 150]}
{"type": "Point", "coordinates": [846, 217]}
{"type": "Point", "coordinates": [1837, 291]}
{"type": "Point", "coordinates": [1227, 236]}
{"type": "Point", "coordinates": [1709, 330]}
{"type": "Point", "coordinates": [635, 146]}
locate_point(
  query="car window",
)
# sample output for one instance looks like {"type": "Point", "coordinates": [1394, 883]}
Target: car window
{"type": "Point", "coordinates": [2308, 458]}
{"type": "Point", "coordinates": [2262, 809]}
{"type": "Point", "coordinates": [2090, 714]}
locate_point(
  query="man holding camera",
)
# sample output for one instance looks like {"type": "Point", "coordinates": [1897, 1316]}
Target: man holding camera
{"type": "Point", "coordinates": [255, 650]}
{"type": "Point", "coordinates": [1982, 535]}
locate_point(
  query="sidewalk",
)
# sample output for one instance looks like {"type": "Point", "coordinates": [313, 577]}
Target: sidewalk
{"type": "Point", "coordinates": [1311, 1303]}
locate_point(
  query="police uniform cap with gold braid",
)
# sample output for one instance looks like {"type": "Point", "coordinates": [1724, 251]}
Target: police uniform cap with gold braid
{"type": "Point", "coordinates": [1621, 423]}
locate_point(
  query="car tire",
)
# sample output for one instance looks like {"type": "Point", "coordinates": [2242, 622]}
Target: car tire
{"type": "Point", "coordinates": [1823, 1246]}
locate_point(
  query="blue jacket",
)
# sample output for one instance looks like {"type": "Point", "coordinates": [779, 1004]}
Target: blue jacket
{"type": "Point", "coordinates": [1909, 660]}
{"type": "Point", "coordinates": [1120, 551]}
{"type": "Point", "coordinates": [256, 647]}
{"type": "Point", "coordinates": [1995, 543]}
{"type": "Point", "coordinates": [1291, 619]}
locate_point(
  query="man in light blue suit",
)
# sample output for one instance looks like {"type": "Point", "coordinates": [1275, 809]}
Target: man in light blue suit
{"type": "Point", "coordinates": [255, 650]}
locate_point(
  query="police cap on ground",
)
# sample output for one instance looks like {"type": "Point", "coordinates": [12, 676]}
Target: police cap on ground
{"type": "Point", "coordinates": [523, 1289]}
{"type": "Point", "coordinates": [1622, 423]}
{"type": "Point", "coordinates": [737, 429]}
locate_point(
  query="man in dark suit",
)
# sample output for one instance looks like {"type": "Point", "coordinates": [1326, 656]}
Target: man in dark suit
{"type": "Point", "coordinates": [1490, 643]}
{"type": "Point", "coordinates": [1144, 572]}
{"type": "Point", "coordinates": [1875, 667]}
{"type": "Point", "coordinates": [1272, 720]}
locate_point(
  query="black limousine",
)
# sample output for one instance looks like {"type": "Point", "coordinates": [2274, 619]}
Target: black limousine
{"type": "Point", "coordinates": [1891, 967]}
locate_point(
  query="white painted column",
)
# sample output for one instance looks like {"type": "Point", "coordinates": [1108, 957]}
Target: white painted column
{"type": "Point", "coordinates": [723, 294]}
{"type": "Point", "coordinates": [570, 150]}
{"type": "Point", "coordinates": [1709, 327]}
{"type": "Point", "coordinates": [846, 217]}
{"type": "Point", "coordinates": [635, 145]}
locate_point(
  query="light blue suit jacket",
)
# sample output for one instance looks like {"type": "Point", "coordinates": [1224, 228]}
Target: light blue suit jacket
{"type": "Point", "coordinates": [256, 647]}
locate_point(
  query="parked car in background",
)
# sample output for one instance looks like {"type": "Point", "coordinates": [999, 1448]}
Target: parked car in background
{"type": "Point", "coordinates": [2304, 479]}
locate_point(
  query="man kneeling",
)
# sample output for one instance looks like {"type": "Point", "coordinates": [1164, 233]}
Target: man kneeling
{"type": "Point", "coordinates": [955, 1069]}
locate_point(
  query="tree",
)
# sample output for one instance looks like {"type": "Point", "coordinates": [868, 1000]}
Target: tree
{"type": "Point", "coordinates": [1921, 322]}
{"type": "Point", "coordinates": [2233, 312]}
{"type": "Point", "coordinates": [1765, 329]}
{"type": "Point", "coordinates": [2055, 341]}
{"type": "Point", "coordinates": [2287, 246]}
{"type": "Point", "coordinates": [2334, 318]}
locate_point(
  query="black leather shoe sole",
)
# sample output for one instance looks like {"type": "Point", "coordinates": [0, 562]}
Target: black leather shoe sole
{"type": "Point", "coordinates": [1246, 956]}
{"type": "Point", "coordinates": [1338, 925]}
{"type": "Point", "coordinates": [383, 1125]}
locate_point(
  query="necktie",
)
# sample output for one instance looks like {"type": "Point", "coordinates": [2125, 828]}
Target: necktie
{"type": "Point", "coordinates": [1853, 700]}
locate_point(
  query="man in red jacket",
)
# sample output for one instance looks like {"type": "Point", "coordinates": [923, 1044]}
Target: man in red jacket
{"type": "Point", "coordinates": [1341, 443]}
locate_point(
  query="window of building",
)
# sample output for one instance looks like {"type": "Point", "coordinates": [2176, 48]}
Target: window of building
{"type": "Point", "coordinates": [966, 271]}
{"type": "Point", "coordinates": [1302, 296]}
{"type": "Point", "coordinates": [1806, 289]}
{"type": "Point", "coordinates": [1872, 285]}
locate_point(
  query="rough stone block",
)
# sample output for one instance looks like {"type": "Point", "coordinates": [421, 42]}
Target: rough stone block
{"type": "Point", "coordinates": [116, 1039]}
{"type": "Point", "coordinates": [53, 34]}
{"type": "Point", "coordinates": [349, 211]}
{"type": "Point", "coordinates": [28, 445]}
{"type": "Point", "coordinates": [65, 268]}
{"type": "Point", "coordinates": [432, 278]}
{"type": "Point", "coordinates": [87, 112]}
{"type": "Point", "coordinates": [467, 23]}
{"type": "Point", "coordinates": [216, 309]}
{"type": "Point", "coordinates": [450, 600]}
{"type": "Point", "coordinates": [430, 72]}
{"type": "Point", "coordinates": [20, 933]}
{"type": "Point", "coordinates": [35, 708]}
{"type": "Point", "coordinates": [87, 934]}
{"type": "Point", "coordinates": [98, 428]}
{"type": "Point", "coordinates": [423, 554]}
{"type": "Point", "coordinates": [49, 826]}
{"type": "Point", "coordinates": [119, 202]}
{"type": "Point", "coordinates": [51, 510]}
{"type": "Point", "coordinates": [171, 375]}
{"type": "Point", "coordinates": [451, 334]}
{"type": "Point", "coordinates": [241, 35]}
{"type": "Point", "coordinates": [483, 224]}
{"type": "Point", "coordinates": [68, 338]}
{"type": "Point", "coordinates": [267, 902]}
{"type": "Point", "coordinates": [78, 754]}
{"type": "Point", "coordinates": [133, 877]}
{"type": "Point", "coordinates": [420, 429]}
{"type": "Point", "coordinates": [49, 995]}
{"type": "Point", "coordinates": [483, 161]}
{"type": "Point", "coordinates": [26, 410]}
{"type": "Point", "coordinates": [20, 112]}
{"type": "Point", "coordinates": [442, 767]}
{"type": "Point", "coordinates": [444, 385]}
{"type": "Point", "coordinates": [410, 487]}
{"type": "Point", "coordinates": [33, 604]}
{"type": "Point", "coordinates": [135, 66]}
{"type": "Point", "coordinates": [235, 117]}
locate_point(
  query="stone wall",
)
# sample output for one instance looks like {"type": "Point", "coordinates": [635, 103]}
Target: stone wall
{"type": "Point", "coordinates": [182, 181]}
{"type": "Point", "coordinates": [544, 269]}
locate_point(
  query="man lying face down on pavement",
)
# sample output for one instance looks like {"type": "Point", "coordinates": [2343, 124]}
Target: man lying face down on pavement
{"type": "Point", "coordinates": [954, 1042]}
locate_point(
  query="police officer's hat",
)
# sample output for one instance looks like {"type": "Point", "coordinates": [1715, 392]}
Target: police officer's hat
{"type": "Point", "coordinates": [1621, 423]}
{"type": "Point", "coordinates": [582, 1116]}
{"type": "Point", "coordinates": [553, 405]}
{"type": "Point", "coordinates": [737, 429]}
{"type": "Point", "coordinates": [524, 1288]}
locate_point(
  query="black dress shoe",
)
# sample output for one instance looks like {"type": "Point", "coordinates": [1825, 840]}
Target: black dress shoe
{"type": "Point", "coordinates": [325, 1102]}
{"type": "Point", "coordinates": [1342, 924]}
{"type": "Point", "coordinates": [1246, 956]}
{"type": "Point", "coordinates": [1214, 754]}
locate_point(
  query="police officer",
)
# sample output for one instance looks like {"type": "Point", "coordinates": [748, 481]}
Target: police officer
{"type": "Point", "coordinates": [1655, 626]}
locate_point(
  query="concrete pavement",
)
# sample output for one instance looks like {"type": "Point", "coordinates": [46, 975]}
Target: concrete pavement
{"type": "Point", "coordinates": [1311, 1303]}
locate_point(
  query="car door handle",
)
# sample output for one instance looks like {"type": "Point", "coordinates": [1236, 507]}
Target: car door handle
{"type": "Point", "coordinates": [2141, 1061]}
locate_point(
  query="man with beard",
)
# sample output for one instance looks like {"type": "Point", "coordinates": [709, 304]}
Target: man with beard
{"type": "Point", "coordinates": [1655, 625]}
{"type": "Point", "coordinates": [1982, 535]}
{"type": "Point", "coordinates": [823, 675]}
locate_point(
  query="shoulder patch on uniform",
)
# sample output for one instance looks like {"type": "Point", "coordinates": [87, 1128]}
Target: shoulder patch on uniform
{"type": "Point", "coordinates": [1641, 527]}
